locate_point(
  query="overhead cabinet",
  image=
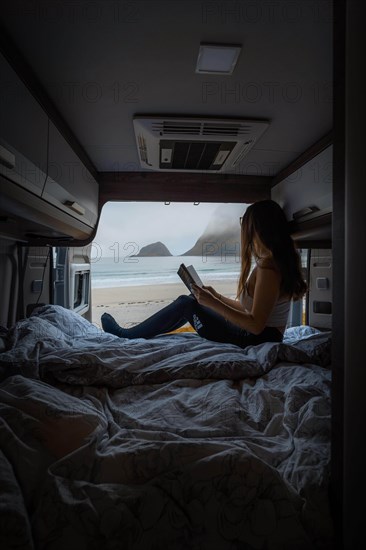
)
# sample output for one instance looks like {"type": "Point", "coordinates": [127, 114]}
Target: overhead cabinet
{"type": "Point", "coordinates": [69, 185]}
{"type": "Point", "coordinates": [39, 170]}
{"type": "Point", "coordinates": [307, 193]}
{"type": "Point", "coordinates": [23, 133]}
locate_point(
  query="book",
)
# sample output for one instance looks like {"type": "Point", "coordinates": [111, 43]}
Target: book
{"type": "Point", "coordinates": [189, 276]}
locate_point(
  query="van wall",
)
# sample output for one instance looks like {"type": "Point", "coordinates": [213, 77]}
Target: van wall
{"type": "Point", "coordinates": [9, 281]}
{"type": "Point", "coordinates": [25, 279]}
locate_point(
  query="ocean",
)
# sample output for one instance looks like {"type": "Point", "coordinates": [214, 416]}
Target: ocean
{"type": "Point", "coordinates": [109, 272]}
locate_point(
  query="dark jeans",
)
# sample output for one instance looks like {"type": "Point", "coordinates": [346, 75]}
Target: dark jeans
{"type": "Point", "coordinates": [205, 321]}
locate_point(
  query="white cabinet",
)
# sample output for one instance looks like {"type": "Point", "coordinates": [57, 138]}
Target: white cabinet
{"type": "Point", "coordinates": [39, 170]}
{"type": "Point", "coordinates": [23, 133]}
{"type": "Point", "coordinates": [69, 185]}
{"type": "Point", "coordinates": [307, 190]}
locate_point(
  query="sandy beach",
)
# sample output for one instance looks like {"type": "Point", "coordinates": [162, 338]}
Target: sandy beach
{"type": "Point", "coordinates": [132, 304]}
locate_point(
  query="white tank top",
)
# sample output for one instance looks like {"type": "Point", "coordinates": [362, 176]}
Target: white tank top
{"type": "Point", "coordinates": [279, 314]}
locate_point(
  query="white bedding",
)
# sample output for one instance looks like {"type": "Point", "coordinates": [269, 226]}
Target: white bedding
{"type": "Point", "coordinates": [172, 442]}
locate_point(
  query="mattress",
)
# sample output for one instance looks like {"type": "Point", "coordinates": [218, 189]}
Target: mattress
{"type": "Point", "coordinates": [172, 442]}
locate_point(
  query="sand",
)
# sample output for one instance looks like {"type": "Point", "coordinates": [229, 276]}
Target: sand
{"type": "Point", "coordinates": [132, 304]}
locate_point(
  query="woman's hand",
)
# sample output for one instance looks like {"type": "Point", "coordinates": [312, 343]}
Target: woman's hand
{"type": "Point", "coordinates": [213, 291]}
{"type": "Point", "coordinates": [204, 296]}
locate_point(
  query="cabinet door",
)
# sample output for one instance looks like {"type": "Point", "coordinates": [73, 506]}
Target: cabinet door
{"type": "Point", "coordinates": [309, 189]}
{"type": "Point", "coordinates": [23, 133]}
{"type": "Point", "coordinates": [69, 185]}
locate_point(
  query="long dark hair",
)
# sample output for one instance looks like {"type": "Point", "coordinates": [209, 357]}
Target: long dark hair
{"type": "Point", "coordinates": [266, 220]}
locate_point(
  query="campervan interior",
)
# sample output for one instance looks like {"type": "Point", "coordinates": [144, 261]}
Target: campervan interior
{"type": "Point", "coordinates": [172, 442]}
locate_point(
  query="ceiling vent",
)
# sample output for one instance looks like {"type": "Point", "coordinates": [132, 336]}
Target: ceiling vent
{"type": "Point", "coordinates": [195, 145]}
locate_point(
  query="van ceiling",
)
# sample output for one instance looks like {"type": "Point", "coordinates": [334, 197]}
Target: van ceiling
{"type": "Point", "coordinates": [104, 61]}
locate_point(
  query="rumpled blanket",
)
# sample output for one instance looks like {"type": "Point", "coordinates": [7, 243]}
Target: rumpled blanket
{"type": "Point", "coordinates": [170, 442]}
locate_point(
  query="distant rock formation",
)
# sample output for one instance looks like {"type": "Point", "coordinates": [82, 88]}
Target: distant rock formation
{"type": "Point", "coordinates": [154, 249]}
{"type": "Point", "coordinates": [221, 236]}
{"type": "Point", "coordinates": [222, 244]}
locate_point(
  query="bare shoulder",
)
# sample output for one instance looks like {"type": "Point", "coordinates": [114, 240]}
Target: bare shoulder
{"type": "Point", "coordinates": [267, 263]}
{"type": "Point", "coordinates": [268, 271]}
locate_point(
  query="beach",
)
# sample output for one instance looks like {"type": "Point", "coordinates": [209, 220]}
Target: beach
{"type": "Point", "coordinates": [131, 304]}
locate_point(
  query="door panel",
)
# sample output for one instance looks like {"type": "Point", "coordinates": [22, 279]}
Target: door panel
{"type": "Point", "coordinates": [320, 289]}
{"type": "Point", "coordinates": [72, 279]}
{"type": "Point", "coordinates": [34, 279]}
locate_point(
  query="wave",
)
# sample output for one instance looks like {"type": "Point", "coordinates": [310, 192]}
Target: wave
{"type": "Point", "coordinates": [155, 271]}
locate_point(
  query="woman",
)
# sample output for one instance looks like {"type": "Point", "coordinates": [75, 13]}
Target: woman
{"type": "Point", "coordinates": [259, 314]}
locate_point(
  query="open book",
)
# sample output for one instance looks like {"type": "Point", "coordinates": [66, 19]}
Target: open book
{"type": "Point", "coordinates": [189, 276]}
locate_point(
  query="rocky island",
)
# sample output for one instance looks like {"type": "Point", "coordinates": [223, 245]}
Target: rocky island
{"type": "Point", "coordinates": [153, 250]}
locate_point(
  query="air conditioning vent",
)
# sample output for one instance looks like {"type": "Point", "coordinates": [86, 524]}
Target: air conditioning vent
{"type": "Point", "coordinates": [166, 127]}
{"type": "Point", "coordinates": [194, 144]}
{"type": "Point", "coordinates": [142, 148]}
{"type": "Point", "coordinates": [225, 129]}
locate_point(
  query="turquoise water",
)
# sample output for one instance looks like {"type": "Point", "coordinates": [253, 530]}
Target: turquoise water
{"type": "Point", "coordinates": [129, 271]}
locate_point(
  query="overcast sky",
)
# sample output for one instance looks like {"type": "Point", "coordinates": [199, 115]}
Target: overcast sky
{"type": "Point", "coordinates": [177, 225]}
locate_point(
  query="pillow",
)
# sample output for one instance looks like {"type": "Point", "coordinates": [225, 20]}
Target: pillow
{"type": "Point", "coordinates": [68, 322]}
{"type": "Point", "coordinates": [293, 334]}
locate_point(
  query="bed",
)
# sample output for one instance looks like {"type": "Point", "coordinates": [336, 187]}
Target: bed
{"type": "Point", "coordinates": [173, 442]}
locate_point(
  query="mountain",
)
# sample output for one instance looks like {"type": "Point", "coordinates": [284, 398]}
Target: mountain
{"type": "Point", "coordinates": [154, 249]}
{"type": "Point", "coordinates": [222, 234]}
